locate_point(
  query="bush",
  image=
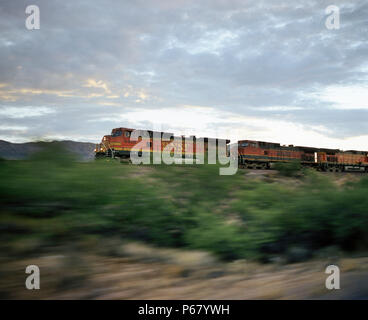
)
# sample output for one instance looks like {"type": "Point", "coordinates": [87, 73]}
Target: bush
{"type": "Point", "coordinates": [213, 234]}
{"type": "Point", "coordinates": [53, 199]}
{"type": "Point", "coordinates": [288, 169]}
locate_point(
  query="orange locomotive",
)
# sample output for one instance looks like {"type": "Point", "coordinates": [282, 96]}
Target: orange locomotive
{"type": "Point", "coordinates": [261, 155]}
{"type": "Point", "coordinates": [119, 144]}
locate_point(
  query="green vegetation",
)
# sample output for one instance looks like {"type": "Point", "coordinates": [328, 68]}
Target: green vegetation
{"type": "Point", "coordinates": [51, 200]}
{"type": "Point", "coordinates": [288, 169]}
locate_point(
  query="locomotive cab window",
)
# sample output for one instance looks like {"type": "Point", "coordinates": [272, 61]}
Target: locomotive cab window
{"type": "Point", "coordinates": [127, 134]}
{"type": "Point", "coordinates": [117, 133]}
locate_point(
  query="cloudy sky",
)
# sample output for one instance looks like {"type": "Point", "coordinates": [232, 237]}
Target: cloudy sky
{"type": "Point", "coordinates": [263, 70]}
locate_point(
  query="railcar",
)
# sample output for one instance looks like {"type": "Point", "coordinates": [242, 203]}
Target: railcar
{"type": "Point", "coordinates": [262, 155]}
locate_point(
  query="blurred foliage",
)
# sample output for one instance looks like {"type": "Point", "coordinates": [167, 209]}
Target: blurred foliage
{"type": "Point", "coordinates": [51, 199]}
{"type": "Point", "coordinates": [288, 169]}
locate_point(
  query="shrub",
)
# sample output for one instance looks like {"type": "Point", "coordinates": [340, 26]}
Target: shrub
{"type": "Point", "coordinates": [53, 199]}
{"type": "Point", "coordinates": [288, 169]}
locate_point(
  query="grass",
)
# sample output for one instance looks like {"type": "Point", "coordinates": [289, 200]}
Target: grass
{"type": "Point", "coordinates": [51, 200]}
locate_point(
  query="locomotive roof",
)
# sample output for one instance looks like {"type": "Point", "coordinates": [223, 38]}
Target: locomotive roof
{"type": "Point", "coordinates": [356, 152]}
{"type": "Point", "coordinates": [292, 147]}
{"type": "Point", "coordinates": [313, 149]}
{"type": "Point", "coordinates": [122, 128]}
{"type": "Point", "coordinates": [171, 134]}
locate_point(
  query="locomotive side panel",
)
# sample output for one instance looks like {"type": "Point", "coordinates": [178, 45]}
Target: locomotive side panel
{"type": "Point", "coordinates": [119, 144]}
{"type": "Point", "coordinates": [253, 153]}
{"type": "Point", "coordinates": [353, 160]}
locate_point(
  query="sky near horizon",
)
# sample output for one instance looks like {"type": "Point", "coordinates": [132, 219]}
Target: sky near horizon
{"type": "Point", "coordinates": [265, 70]}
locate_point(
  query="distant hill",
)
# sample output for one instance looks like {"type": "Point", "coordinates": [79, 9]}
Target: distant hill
{"type": "Point", "coordinates": [17, 151]}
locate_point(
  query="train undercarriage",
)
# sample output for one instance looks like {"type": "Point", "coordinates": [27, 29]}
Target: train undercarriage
{"type": "Point", "coordinates": [324, 167]}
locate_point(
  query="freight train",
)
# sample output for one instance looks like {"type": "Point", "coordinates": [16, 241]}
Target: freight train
{"type": "Point", "coordinates": [251, 154]}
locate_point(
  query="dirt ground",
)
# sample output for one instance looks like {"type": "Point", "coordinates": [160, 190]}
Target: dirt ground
{"type": "Point", "coordinates": [141, 272]}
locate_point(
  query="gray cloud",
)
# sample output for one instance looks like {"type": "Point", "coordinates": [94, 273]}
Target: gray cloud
{"type": "Point", "coordinates": [91, 59]}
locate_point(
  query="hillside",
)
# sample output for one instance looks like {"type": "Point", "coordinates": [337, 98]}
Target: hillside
{"type": "Point", "coordinates": [18, 151]}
